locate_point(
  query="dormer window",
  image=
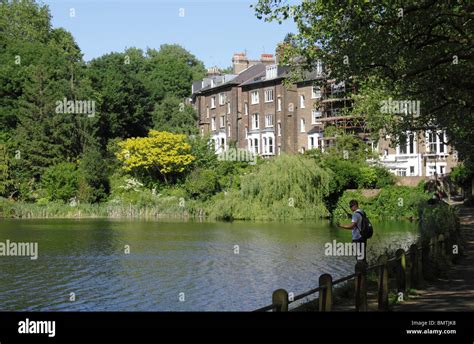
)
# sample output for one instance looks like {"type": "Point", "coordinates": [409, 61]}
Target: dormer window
{"type": "Point", "coordinates": [271, 72]}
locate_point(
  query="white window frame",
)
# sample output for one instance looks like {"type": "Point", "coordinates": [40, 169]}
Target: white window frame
{"type": "Point", "coordinates": [279, 129]}
{"type": "Point", "coordinates": [316, 92]}
{"type": "Point", "coordinates": [407, 135]}
{"type": "Point", "coordinates": [271, 72]}
{"type": "Point", "coordinates": [401, 172]}
{"type": "Point", "coordinates": [222, 121]}
{"type": "Point", "coordinates": [441, 140]}
{"type": "Point", "coordinates": [221, 98]}
{"type": "Point", "coordinates": [256, 144]}
{"type": "Point", "coordinates": [269, 95]}
{"type": "Point", "coordinates": [255, 121]}
{"type": "Point", "coordinates": [268, 121]}
{"type": "Point", "coordinates": [314, 119]}
{"type": "Point", "coordinates": [302, 101]}
{"type": "Point", "coordinates": [279, 104]}
{"type": "Point", "coordinates": [213, 102]}
{"type": "Point", "coordinates": [271, 145]}
{"type": "Point", "coordinates": [315, 138]}
{"type": "Point", "coordinates": [302, 125]}
{"type": "Point", "coordinates": [255, 97]}
{"type": "Point", "coordinates": [213, 123]}
{"type": "Point", "coordinates": [268, 144]}
{"type": "Point", "coordinates": [411, 134]}
{"type": "Point", "coordinates": [432, 142]}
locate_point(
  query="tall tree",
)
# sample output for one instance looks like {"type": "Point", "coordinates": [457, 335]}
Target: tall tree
{"type": "Point", "coordinates": [173, 115]}
{"type": "Point", "coordinates": [171, 71]}
{"type": "Point", "coordinates": [125, 106]}
{"type": "Point", "coordinates": [420, 49]}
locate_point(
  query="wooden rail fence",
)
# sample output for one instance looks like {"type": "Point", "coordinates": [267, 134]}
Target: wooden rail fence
{"type": "Point", "coordinates": [408, 267]}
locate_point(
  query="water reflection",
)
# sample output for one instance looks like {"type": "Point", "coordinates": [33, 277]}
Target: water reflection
{"type": "Point", "coordinates": [87, 257]}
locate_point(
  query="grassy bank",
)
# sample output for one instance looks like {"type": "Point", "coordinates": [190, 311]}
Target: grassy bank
{"type": "Point", "coordinates": [168, 207]}
{"type": "Point", "coordinates": [254, 201]}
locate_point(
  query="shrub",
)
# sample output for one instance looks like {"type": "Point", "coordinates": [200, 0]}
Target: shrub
{"type": "Point", "coordinates": [438, 218]}
{"type": "Point", "coordinates": [94, 184]}
{"type": "Point", "coordinates": [60, 182]}
{"type": "Point", "coordinates": [383, 177]}
{"type": "Point", "coordinates": [392, 202]}
{"type": "Point", "coordinates": [367, 177]}
{"type": "Point", "coordinates": [202, 183]}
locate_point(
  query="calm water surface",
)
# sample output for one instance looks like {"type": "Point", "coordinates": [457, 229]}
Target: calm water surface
{"type": "Point", "coordinates": [166, 259]}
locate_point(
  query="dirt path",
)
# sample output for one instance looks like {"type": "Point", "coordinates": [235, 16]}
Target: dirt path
{"type": "Point", "coordinates": [455, 292]}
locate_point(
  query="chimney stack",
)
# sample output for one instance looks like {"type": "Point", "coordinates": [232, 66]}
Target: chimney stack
{"type": "Point", "coordinates": [267, 59]}
{"type": "Point", "coordinates": [213, 71]}
{"type": "Point", "coordinates": [240, 62]}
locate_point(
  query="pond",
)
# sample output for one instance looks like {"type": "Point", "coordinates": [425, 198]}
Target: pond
{"type": "Point", "coordinates": [132, 265]}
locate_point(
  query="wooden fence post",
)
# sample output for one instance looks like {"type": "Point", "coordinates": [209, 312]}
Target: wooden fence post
{"type": "Point", "coordinates": [280, 300]}
{"type": "Point", "coordinates": [448, 243]}
{"type": "Point", "coordinates": [361, 286]}
{"type": "Point", "coordinates": [414, 266]}
{"type": "Point", "coordinates": [401, 270]}
{"type": "Point", "coordinates": [325, 295]}
{"type": "Point", "coordinates": [420, 264]}
{"type": "Point", "coordinates": [441, 246]}
{"type": "Point", "coordinates": [383, 283]}
{"type": "Point", "coordinates": [433, 249]}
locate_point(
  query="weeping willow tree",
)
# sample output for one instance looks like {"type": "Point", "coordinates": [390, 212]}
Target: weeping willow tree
{"type": "Point", "coordinates": [287, 187]}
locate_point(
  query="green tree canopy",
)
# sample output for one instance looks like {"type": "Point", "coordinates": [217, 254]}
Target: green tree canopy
{"type": "Point", "coordinates": [421, 50]}
{"type": "Point", "coordinates": [171, 71]}
{"type": "Point", "coordinates": [173, 115]}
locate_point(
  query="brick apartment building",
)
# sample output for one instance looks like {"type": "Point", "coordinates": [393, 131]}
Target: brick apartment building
{"type": "Point", "coordinates": [254, 109]}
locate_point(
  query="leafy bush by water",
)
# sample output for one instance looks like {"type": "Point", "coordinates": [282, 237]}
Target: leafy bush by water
{"type": "Point", "coordinates": [391, 202]}
{"type": "Point", "coordinates": [286, 187]}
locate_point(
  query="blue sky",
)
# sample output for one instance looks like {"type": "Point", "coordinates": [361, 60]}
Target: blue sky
{"type": "Point", "coordinates": [212, 30]}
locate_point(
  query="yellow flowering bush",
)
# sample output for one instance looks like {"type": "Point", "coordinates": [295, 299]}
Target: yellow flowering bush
{"type": "Point", "coordinates": [161, 151]}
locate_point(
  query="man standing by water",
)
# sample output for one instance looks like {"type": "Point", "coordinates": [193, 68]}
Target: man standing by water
{"type": "Point", "coordinates": [356, 226]}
